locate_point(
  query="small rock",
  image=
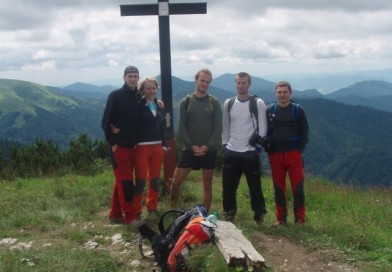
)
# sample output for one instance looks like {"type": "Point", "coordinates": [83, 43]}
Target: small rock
{"type": "Point", "coordinates": [27, 261]}
{"type": "Point", "coordinates": [117, 238]}
{"type": "Point", "coordinates": [135, 263]}
{"type": "Point", "coordinates": [25, 246]}
{"type": "Point", "coordinates": [8, 241]}
{"type": "Point", "coordinates": [91, 245]}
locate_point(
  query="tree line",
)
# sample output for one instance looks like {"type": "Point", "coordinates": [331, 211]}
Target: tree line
{"type": "Point", "coordinates": [84, 156]}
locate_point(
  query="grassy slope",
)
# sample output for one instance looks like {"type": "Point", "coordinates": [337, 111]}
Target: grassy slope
{"type": "Point", "coordinates": [69, 211]}
{"type": "Point", "coordinates": [17, 95]}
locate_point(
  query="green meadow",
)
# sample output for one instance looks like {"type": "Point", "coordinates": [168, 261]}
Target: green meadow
{"type": "Point", "coordinates": [60, 223]}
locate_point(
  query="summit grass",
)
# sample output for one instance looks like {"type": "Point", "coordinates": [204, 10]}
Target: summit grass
{"type": "Point", "coordinates": [57, 216]}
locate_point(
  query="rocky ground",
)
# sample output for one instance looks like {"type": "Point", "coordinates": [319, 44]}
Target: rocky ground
{"type": "Point", "coordinates": [281, 254]}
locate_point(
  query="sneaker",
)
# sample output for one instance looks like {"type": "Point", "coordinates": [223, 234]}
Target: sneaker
{"type": "Point", "coordinates": [299, 222]}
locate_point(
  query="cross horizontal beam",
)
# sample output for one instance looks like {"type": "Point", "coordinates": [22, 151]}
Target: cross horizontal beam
{"type": "Point", "coordinates": [174, 8]}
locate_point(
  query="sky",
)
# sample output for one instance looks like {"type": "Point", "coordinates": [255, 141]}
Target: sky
{"type": "Point", "coordinates": [60, 42]}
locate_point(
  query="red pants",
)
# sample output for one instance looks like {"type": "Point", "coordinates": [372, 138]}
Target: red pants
{"type": "Point", "coordinates": [123, 166]}
{"type": "Point", "coordinates": [149, 160]}
{"type": "Point", "coordinates": [291, 163]}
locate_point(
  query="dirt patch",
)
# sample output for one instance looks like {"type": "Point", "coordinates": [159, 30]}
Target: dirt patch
{"type": "Point", "coordinates": [282, 254]}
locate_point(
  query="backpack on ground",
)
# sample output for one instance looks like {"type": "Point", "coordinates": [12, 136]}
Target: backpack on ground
{"type": "Point", "coordinates": [179, 229]}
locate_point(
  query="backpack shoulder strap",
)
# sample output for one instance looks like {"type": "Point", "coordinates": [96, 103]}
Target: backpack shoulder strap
{"type": "Point", "coordinates": [272, 110]}
{"type": "Point", "coordinates": [169, 215]}
{"type": "Point", "coordinates": [211, 100]}
{"type": "Point", "coordinates": [187, 101]}
{"type": "Point", "coordinates": [253, 106]}
{"type": "Point", "coordinates": [253, 110]}
{"type": "Point", "coordinates": [230, 105]}
{"type": "Point", "coordinates": [295, 111]}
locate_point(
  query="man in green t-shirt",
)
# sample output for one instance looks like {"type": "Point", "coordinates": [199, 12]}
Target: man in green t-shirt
{"type": "Point", "coordinates": [200, 130]}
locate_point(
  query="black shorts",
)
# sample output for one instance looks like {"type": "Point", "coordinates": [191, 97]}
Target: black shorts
{"type": "Point", "coordinates": [188, 160]}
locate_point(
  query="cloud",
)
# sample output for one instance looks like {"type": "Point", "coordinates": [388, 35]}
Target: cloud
{"type": "Point", "coordinates": [285, 36]}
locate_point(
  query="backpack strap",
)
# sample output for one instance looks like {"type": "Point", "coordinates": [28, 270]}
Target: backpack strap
{"type": "Point", "coordinates": [271, 116]}
{"type": "Point", "coordinates": [253, 110]}
{"type": "Point", "coordinates": [230, 105]}
{"type": "Point", "coordinates": [211, 100]}
{"type": "Point", "coordinates": [295, 107]}
{"type": "Point", "coordinates": [295, 112]}
{"type": "Point", "coordinates": [187, 102]}
{"type": "Point", "coordinates": [170, 214]}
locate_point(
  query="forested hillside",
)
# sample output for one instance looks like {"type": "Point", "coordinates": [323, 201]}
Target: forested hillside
{"type": "Point", "coordinates": [348, 144]}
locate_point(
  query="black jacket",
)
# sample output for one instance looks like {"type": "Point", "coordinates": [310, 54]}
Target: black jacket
{"type": "Point", "coordinates": [123, 111]}
{"type": "Point", "coordinates": [152, 128]}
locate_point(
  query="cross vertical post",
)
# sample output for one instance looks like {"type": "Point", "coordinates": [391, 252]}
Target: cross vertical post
{"type": "Point", "coordinates": [163, 9]}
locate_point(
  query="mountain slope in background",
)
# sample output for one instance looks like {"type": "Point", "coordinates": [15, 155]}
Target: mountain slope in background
{"type": "Point", "coordinates": [347, 143]}
{"type": "Point", "coordinates": [374, 93]}
{"type": "Point", "coordinates": [23, 96]}
{"type": "Point", "coordinates": [371, 88]}
{"type": "Point", "coordinates": [227, 82]}
{"type": "Point", "coordinates": [31, 111]}
{"type": "Point", "coordinates": [327, 83]}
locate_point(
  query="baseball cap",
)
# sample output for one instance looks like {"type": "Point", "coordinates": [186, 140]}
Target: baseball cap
{"type": "Point", "coordinates": [131, 69]}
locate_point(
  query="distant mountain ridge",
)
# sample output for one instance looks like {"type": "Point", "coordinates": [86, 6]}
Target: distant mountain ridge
{"type": "Point", "coordinates": [367, 89]}
{"type": "Point", "coordinates": [79, 86]}
{"type": "Point", "coordinates": [348, 143]}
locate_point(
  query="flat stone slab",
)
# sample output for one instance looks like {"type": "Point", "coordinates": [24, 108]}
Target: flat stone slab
{"type": "Point", "coordinates": [235, 248]}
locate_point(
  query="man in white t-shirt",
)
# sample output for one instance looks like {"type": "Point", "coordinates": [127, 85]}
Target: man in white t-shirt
{"type": "Point", "coordinates": [244, 119]}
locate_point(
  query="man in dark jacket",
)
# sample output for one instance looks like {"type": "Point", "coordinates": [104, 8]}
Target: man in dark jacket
{"type": "Point", "coordinates": [288, 135]}
{"type": "Point", "coordinates": [123, 112]}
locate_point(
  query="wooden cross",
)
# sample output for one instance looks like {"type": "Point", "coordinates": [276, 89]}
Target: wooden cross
{"type": "Point", "coordinates": [163, 8]}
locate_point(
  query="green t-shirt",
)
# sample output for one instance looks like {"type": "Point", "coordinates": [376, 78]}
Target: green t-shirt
{"type": "Point", "coordinates": [200, 122]}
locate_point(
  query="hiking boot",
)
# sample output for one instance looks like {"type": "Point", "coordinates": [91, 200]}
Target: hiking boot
{"type": "Point", "coordinates": [258, 219]}
{"type": "Point", "coordinates": [299, 222]}
{"type": "Point", "coordinates": [229, 216]}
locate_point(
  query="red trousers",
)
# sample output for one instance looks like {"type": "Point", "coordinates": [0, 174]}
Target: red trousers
{"type": "Point", "coordinates": [291, 163]}
{"type": "Point", "coordinates": [123, 191]}
{"type": "Point", "coordinates": [149, 160]}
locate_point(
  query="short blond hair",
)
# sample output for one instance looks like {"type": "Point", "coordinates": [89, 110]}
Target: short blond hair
{"type": "Point", "coordinates": [205, 71]}
{"type": "Point", "coordinates": [145, 81]}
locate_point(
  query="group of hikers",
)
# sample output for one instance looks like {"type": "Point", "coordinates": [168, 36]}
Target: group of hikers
{"type": "Point", "coordinates": [134, 125]}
